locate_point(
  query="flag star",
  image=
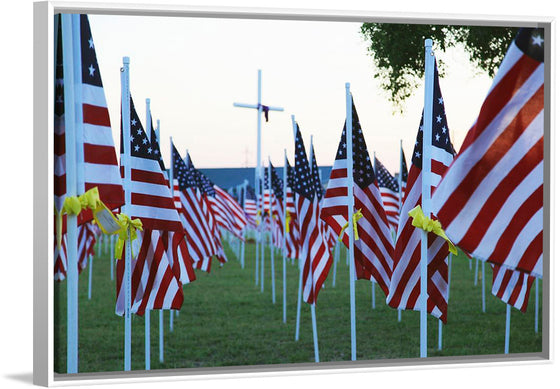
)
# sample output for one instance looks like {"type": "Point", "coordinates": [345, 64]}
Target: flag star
{"type": "Point", "coordinates": [437, 136]}
{"type": "Point", "coordinates": [90, 43]}
{"type": "Point", "coordinates": [136, 148]}
{"type": "Point", "coordinates": [59, 99]}
{"type": "Point", "coordinates": [421, 128]}
{"type": "Point", "coordinates": [443, 129]}
{"type": "Point", "coordinates": [133, 122]}
{"type": "Point", "coordinates": [149, 150]}
{"type": "Point", "coordinates": [537, 40]}
{"type": "Point", "coordinates": [91, 70]}
{"type": "Point", "coordinates": [440, 100]}
{"type": "Point", "coordinates": [144, 141]}
{"type": "Point", "coordinates": [139, 132]}
{"type": "Point", "coordinates": [131, 138]}
{"type": "Point", "coordinates": [438, 118]}
{"type": "Point", "coordinates": [417, 154]}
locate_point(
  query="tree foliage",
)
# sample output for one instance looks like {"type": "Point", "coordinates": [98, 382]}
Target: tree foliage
{"type": "Point", "coordinates": [398, 55]}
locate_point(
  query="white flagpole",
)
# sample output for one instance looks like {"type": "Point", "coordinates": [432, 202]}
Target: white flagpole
{"type": "Point", "coordinates": [90, 272]}
{"type": "Point", "coordinates": [112, 255]}
{"type": "Point", "coordinates": [300, 266]}
{"type": "Point", "coordinates": [508, 324]}
{"type": "Point", "coordinates": [336, 259]}
{"type": "Point", "coordinates": [426, 191]}
{"type": "Point", "coordinates": [350, 229]}
{"type": "Point", "coordinates": [273, 281]}
{"type": "Point", "coordinates": [315, 341]}
{"type": "Point", "coordinates": [536, 305]}
{"type": "Point", "coordinates": [242, 256]}
{"type": "Point", "coordinates": [284, 234]}
{"type": "Point", "coordinates": [399, 314]}
{"type": "Point", "coordinates": [125, 101]}
{"type": "Point", "coordinates": [171, 184]}
{"type": "Point", "coordinates": [373, 279]}
{"type": "Point", "coordinates": [263, 230]}
{"type": "Point", "coordinates": [161, 329]}
{"type": "Point", "coordinates": [147, 334]}
{"type": "Point", "coordinates": [483, 282]}
{"type": "Point", "coordinates": [71, 190]}
{"type": "Point", "coordinates": [475, 271]}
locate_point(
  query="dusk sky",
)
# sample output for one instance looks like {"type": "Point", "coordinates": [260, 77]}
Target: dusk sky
{"type": "Point", "coordinates": [194, 69]}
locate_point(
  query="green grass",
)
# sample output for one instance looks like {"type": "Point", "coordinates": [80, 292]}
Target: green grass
{"type": "Point", "coordinates": [226, 321]}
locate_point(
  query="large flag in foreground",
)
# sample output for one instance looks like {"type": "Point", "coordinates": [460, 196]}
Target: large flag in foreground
{"type": "Point", "coordinates": [95, 149]}
{"type": "Point", "coordinates": [313, 248]}
{"type": "Point", "coordinates": [490, 201]}
{"type": "Point", "coordinates": [405, 283]}
{"type": "Point", "coordinates": [373, 251]}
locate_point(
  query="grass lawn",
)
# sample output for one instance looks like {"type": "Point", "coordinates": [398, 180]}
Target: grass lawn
{"type": "Point", "coordinates": [226, 321]}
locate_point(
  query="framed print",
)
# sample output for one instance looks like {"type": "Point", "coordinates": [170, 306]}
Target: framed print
{"type": "Point", "coordinates": [227, 191]}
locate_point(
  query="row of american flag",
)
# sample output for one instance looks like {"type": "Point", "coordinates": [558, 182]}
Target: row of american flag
{"type": "Point", "coordinates": [488, 197]}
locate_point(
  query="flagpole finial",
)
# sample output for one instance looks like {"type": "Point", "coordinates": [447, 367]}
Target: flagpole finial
{"type": "Point", "coordinates": [147, 100]}
{"type": "Point", "coordinates": [126, 60]}
{"type": "Point", "coordinates": [428, 42]}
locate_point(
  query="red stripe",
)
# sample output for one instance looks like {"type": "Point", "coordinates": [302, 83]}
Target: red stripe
{"type": "Point", "coordinates": [99, 154]}
{"type": "Point", "coordinates": [152, 201]}
{"type": "Point", "coordinates": [96, 115]}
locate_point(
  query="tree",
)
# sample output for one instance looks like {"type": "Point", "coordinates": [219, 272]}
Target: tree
{"type": "Point", "coordinates": [398, 55]}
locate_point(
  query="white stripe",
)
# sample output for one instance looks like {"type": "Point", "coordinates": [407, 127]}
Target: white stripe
{"type": "Point", "coordinates": [98, 135]}
{"type": "Point", "coordinates": [93, 95]}
{"type": "Point", "coordinates": [164, 214]}
{"type": "Point", "coordinates": [102, 174]}
{"type": "Point", "coordinates": [510, 59]}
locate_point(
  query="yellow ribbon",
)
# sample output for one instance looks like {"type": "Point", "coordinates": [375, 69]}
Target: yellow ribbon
{"type": "Point", "coordinates": [73, 205]}
{"type": "Point", "coordinates": [127, 224]}
{"type": "Point", "coordinates": [422, 221]}
{"type": "Point", "coordinates": [288, 220]}
{"type": "Point", "coordinates": [355, 217]}
{"type": "Point", "coordinates": [258, 218]}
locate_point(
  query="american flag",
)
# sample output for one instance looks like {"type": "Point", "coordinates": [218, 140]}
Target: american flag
{"type": "Point", "coordinates": [328, 233]}
{"type": "Point", "coordinates": [209, 205]}
{"type": "Point", "coordinates": [151, 199]}
{"type": "Point", "coordinates": [250, 207]}
{"type": "Point", "coordinates": [154, 283]}
{"type": "Point", "coordinates": [194, 216]}
{"type": "Point", "coordinates": [96, 158]}
{"type": "Point", "coordinates": [490, 201]}
{"type": "Point", "coordinates": [228, 214]}
{"type": "Point", "coordinates": [292, 236]}
{"type": "Point", "coordinates": [273, 197]}
{"type": "Point", "coordinates": [389, 188]}
{"type": "Point", "coordinates": [511, 286]}
{"type": "Point", "coordinates": [174, 241]}
{"type": "Point", "coordinates": [60, 259]}
{"type": "Point", "coordinates": [404, 291]}
{"type": "Point", "coordinates": [313, 248]}
{"type": "Point", "coordinates": [373, 252]}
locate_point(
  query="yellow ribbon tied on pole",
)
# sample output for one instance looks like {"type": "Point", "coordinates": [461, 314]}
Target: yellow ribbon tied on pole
{"type": "Point", "coordinates": [127, 224]}
{"type": "Point", "coordinates": [422, 221]}
{"type": "Point", "coordinates": [73, 205]}
{"type": "Point", "coordinates": [355, 217]}
{"type": "Point", "coordinates": [288, 219]}
{"type": "Point", "coordinates": [258, 218]}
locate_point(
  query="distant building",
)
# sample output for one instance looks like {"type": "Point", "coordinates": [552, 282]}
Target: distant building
{"type": "Point", "coordinates": [230, 177]}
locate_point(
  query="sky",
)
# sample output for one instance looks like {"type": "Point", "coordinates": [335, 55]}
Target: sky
{"type": "Point", "coordinates": [194, 69]}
